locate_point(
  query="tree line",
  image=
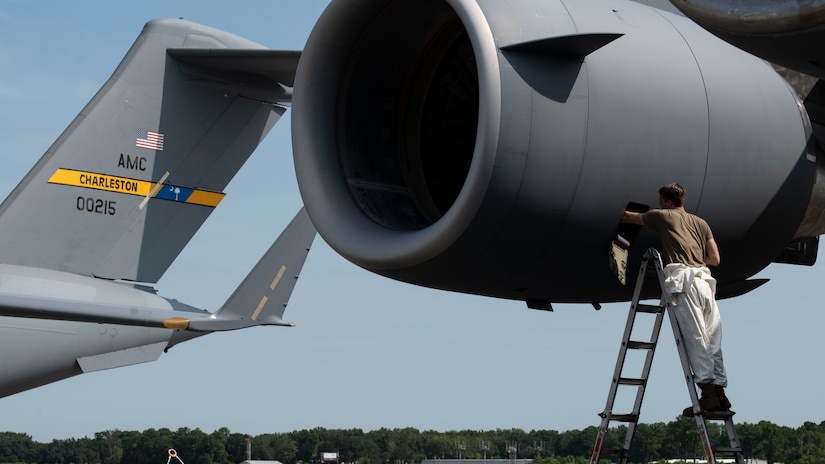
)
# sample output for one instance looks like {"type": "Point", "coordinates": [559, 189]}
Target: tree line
{"type": "Point", "coordinates": [653, 442]}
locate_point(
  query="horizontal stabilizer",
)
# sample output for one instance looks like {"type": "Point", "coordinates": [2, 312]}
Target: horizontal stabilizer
{"type": "Point", "coordinates": [266, 75]}
{"type": "Point", "coordinates": [568, 46]}
{"type": "Point", "coordinates": [120, 358]}
{"type": "Point", "coordinates": [259, 300]}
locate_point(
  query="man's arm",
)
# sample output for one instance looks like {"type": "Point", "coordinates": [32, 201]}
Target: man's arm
{"type": "Point", "coordinates": [631, 217]}
{"type": "Point", "coordinates": [712, 257]}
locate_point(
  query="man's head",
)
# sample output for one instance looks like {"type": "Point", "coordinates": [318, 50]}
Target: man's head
{"type": "Point", "coordinates": [672, 196]}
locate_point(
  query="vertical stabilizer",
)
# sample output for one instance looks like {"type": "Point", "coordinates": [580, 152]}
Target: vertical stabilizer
{"type": "Point", "coordinates": [138, 171]}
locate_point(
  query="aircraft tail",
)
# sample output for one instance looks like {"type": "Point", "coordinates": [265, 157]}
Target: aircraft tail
{"type": "Point", "coordinates": [138, 171]}
{"type": "Point", "coordinates": [263, 295]}
{"type": "Point", "coordinates": [259, 300]}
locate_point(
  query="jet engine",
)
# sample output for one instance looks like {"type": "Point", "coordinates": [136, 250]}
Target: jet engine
{"type": "Point", "coordinates": [490, 147]}
{"type": "Point", "coordinates": [786, 32]}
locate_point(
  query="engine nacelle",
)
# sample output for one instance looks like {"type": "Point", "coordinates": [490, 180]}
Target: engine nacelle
{"type": "Point", "coordinates": [490, 146]}
{"type": "Point", "coordinates": [785, 32]}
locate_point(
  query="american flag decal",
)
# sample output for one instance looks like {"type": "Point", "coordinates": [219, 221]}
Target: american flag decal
{"type": "Point", "coordinates": [149, 140]}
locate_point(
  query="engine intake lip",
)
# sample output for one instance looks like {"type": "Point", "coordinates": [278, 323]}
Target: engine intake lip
{"type": "Point", "coordinates": [326, 76]}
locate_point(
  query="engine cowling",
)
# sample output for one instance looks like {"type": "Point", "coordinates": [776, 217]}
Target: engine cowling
{"type": "Point", "coordinates": [491, 147]}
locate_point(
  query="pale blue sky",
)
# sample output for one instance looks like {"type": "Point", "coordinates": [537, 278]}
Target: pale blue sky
{"type": "Point", "coordinates": [367, 352]}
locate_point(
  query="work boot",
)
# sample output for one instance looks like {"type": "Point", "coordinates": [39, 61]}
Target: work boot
{"type": "Point", "coordinates": [708, 402]}
{"type": "Point", "coordinates": [724, 402]}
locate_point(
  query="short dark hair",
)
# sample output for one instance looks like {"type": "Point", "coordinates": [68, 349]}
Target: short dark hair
{"type": "Point", "coordinates": [673, 192]}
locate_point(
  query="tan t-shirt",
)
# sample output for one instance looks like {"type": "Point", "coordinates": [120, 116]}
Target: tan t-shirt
{"type": "Point", "coordinates": [683, 235]}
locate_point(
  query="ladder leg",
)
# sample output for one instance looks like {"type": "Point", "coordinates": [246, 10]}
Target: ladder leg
{"type": "Point", "coordinates": [621, 455]}
{"type": "Point", "coordinates": [700, 415]}
{"type": "Point", "coordinates": [683, 358]}
{"type": "Point", "coordinates": [701, 426]}
{"type": "Point", "coordinates": [736, 446]}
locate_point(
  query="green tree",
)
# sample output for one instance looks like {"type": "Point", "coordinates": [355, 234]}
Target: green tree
{"type": "Point", "coordinates": [110, 449]}
{"type": "Point", "coordinates": [148, 447]}
{"type": "Point", "coordinates": [235, 446]}
{"type": "Point", "coordinates": [548, 440]}
{"type": "Point", "coordinates": [578, 442]}
{"type": "Point", "coordinates": [652, 443]}
{"type": "Point", "coordinates": [648, 442]}
{"type": "Point", "coordinates": [18, 447]}
{"type": "Point", "coordinates": [436, 445]}
{"type": "Point", "coordinates": [307, 442]}
{"type": "Point", "coordinates": [765, 440]}
{"type": "Point", "coordinates": [276, 446]}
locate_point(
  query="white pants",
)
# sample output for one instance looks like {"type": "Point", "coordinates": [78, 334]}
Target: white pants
{"type": "Point", "coordinates": [692, 298]}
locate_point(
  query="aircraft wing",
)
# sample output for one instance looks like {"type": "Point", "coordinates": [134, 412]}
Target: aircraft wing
{"type": "Point", "coordinates": [138, 171]}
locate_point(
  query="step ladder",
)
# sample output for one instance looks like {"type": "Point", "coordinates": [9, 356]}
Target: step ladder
{"type": "Point", "coordinates": [652, 270]}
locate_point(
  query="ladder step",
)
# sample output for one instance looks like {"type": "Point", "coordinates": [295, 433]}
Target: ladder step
{"type": "Point", "coordinates": [648, 308]}
{"type": "Point", "coordinates": [631, 381]}
{"type": "Point", "coordinates": [624, 417]}
{"type": "Point", "coordinates": [718, 415]}
{"type": "Point", "coordinates": [634, 345]}
{"type": "Point", "coordinates": [614, 453]}
{"type": "Point", "coordinates": [728, 450]}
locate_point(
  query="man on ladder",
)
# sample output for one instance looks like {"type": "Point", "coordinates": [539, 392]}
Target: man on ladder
{"type": "Point", "coordinates": [689, 247]}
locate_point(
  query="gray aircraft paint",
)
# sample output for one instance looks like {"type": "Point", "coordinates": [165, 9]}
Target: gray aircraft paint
{"type": "Point", "coordinates": [553, 147]}
{"type": "Point", "coordinates": [66, 324]}
{"type": "Point", "coordinates": [566, 111]}
{"type": "Point", "coordinates": [107, 227]}
{"type": "Point", "coordinates": [213, 97]}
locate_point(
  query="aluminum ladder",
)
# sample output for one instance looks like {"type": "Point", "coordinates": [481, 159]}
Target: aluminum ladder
{"type": "Point", "coordinates": [648, 272]}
